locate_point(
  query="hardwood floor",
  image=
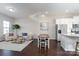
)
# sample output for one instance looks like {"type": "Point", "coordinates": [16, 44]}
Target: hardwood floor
{"type": "Point", "coordinates": [33, 50]}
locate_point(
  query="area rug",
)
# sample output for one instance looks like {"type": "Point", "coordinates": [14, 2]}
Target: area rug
{"type": "Point", "coordinates": [14, 46]}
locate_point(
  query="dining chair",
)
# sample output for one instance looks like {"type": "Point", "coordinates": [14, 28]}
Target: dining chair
{"type": "Point", "coordinates": [43, 40]}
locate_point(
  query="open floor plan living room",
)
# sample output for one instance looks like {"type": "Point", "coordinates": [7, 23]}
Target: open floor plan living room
{"type": "Point", "coordinates": [39, 29]}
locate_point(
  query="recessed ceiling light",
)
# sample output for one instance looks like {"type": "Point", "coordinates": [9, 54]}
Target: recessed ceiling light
{"type": "Point", "coordinates": [11, 9]}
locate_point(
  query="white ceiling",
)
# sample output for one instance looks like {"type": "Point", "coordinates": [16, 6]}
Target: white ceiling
{"type": "Point", "coordinates": [26, 10]}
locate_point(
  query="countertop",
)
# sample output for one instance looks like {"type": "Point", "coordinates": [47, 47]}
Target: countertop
{"type": "Point", "coordinates": [71, 35]}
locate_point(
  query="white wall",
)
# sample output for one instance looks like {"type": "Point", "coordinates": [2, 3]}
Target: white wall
{"type": "Point", "coordinates": [32, 26]}
{"type": "Point", "coordinates": [2, 18]}
{"type": "Point", "coordinates": [51, 27]}
{"type": "Point", "coordinates": [27, 26]}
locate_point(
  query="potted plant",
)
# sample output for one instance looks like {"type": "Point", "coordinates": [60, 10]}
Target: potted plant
{"type": "Point", "coordinates": [16, 27]}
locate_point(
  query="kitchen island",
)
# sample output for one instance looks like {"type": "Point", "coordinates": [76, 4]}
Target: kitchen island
{"type": "Point", "coordinates": [68, 41]}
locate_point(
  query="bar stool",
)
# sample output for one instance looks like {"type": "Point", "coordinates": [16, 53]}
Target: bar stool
{"type": "Point", "coordinates": [43, 40]}
{"type": "Point", "coordinates": [77, 48]}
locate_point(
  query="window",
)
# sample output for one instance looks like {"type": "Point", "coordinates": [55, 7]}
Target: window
{"type": "Point", "coordinates": [6, 27]}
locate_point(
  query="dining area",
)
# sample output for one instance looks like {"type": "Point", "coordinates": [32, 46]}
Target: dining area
{"type": "Point", "coordinates": [43, 41]}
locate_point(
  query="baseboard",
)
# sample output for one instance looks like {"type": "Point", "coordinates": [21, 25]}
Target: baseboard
{"type": "Point", "coordinates": [49, 38]}
{"type": "Point", "coordinates": [52, 38]}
